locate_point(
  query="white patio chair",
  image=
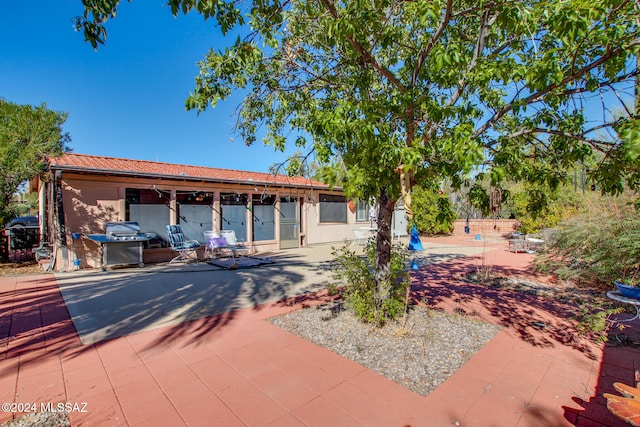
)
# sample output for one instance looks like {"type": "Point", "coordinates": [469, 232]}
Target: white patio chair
{"type": "Point", "coordinates": [235, 246]}
{"type": "Point", "coordinates": [209, 243]}
{"type": "Point", "coordinates": [361, 236]}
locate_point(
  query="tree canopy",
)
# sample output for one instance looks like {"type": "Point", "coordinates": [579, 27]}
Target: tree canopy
{"type": "Point", "coordinates": [438, 87]}
{"type": "Point", "coordinates": [28, 135]}
{"type": "Point", "coordinates": [400, 92]}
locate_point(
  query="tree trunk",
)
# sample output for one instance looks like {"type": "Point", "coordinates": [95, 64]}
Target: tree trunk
{"type": "Point", "coordinates": [406, 183]}
{"type": "Point", "coordinates": [383, 246]}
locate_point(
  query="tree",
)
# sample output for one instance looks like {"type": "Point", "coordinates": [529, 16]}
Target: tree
{"type": "Point", "coordinates": [402, 92]}
{"type": "Point", "coordinates": [28, 135]}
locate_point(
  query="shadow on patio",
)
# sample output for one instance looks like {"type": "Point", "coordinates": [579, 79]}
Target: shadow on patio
{"type": "Point", "coordinates": [34, 322]}
{"type": "Point", "coordinates": [106, 305]}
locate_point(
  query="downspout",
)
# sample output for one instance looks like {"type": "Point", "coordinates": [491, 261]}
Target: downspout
{"type": "Point", "coordinates": [42, 210]}
{"type": "Point", "coordinates": [62, 229]}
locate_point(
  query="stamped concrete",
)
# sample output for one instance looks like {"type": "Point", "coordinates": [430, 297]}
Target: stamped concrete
{"type": "Point", "coordinates": [235, 368]}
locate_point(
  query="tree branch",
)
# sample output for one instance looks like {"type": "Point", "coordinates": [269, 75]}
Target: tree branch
{"type": "Point", "coordinates": [366, 56]}
{"type": "Point", "coordinates": [578, 137]}
{"type": "Point", "coordinates": [434, 39]}
{"type": "Point", "coordinates": [482, 35]}
{"type": "Point", "coordinates": [541, 93]}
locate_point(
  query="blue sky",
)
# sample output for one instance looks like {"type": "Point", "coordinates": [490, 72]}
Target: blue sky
{"type": "Point", "coordinates": [127, 98]}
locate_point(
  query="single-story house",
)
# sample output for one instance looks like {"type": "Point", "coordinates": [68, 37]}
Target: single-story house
{"type": "Point", "coordinates": [79, 194]}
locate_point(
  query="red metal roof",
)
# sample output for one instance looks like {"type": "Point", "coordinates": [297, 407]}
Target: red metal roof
{"type": "Point", "coordinates": [118, 166]}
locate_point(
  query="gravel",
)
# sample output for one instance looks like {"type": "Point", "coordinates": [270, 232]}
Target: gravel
{"type": "Point", "coordinates": [419, 353]}
{"type": "Point", "coordinates": [40, 419]}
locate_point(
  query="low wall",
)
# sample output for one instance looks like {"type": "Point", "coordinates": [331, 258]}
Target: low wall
{"type": "Point", "coordinates": [484, 227]}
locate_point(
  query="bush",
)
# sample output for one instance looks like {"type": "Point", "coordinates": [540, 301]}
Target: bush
{"type": "Point", "coordinates": [361, 291]}
{"type": "Point", "coordinates": [433, 213]}
{"type": "Point", "coordinates": [599, 246]}
{"type": "Point", "coordinates": [537, 209]}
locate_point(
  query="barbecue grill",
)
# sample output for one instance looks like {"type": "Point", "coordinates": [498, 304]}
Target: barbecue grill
{"type": "Point", "coordinates": [121, 244]}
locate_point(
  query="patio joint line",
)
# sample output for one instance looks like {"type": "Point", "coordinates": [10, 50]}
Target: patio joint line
{"type": "Point", "coordinates": [216, 393]}
{"type": "Point", "coordinates": [113, 387]}
{"type": "Point", "coordinates": [157, 383]}
{"type": "Point", "coordinates": [527, 403]}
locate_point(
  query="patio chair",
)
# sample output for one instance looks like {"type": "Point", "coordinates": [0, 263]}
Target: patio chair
{"type": "Point", "coordinates": [216, 247]}
{"type": "Point", "coordinates": [187, 249]}
{"type": "Point", "coordinates": [362, 235]}
{"type": "Point", "coordinates": [236, 247]}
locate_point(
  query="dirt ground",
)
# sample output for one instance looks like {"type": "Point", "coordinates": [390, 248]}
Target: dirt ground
{"type": "Point", "coordinates": [20, 268]}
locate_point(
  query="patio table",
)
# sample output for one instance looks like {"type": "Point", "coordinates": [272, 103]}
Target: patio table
{"type": "Point", "coordinates": [617, 296]}
{"type": "Point", "coordinates": [517, 245]}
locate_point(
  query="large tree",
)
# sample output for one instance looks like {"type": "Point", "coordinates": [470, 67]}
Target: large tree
{"type": "Point", "coordinates": [404, 91]}
{"type": "Point", "coordinates": [28, 135]}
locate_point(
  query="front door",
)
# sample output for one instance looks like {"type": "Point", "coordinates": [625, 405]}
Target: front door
{"type": "Point", "coordinates": [289, 224]}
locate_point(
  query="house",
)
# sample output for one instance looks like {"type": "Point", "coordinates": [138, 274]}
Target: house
{"type": "Point", "coordinates": [79, 194]}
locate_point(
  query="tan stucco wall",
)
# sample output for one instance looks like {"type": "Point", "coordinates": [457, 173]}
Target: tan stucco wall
{"type": "Point", "coordinates": [319, 233]}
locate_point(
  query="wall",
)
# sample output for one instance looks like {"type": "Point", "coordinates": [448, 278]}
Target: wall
{"type": "Point", "coordinates": [485, 227]}
{"type": "Point", "coordinates": [319, 233]}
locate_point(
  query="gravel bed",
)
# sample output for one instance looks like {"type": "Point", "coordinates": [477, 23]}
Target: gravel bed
{"type": "Point", "coordinates": [419, 354]}
{"type": "Point", "coordinates": [40, 419]}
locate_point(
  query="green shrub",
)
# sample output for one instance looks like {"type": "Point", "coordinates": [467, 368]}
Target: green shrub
{"type": "Point", "coordinates": [599, 246]}
{"type": "Point", "coordinates": [433, 213]}
{"type": "Point", "coordinates": [537, 208]}
{"type": "Point", "coordinates": [361, 292]}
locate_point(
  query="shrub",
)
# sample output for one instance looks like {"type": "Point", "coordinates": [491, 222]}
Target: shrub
{"type": "Point", "coordinates": [361, 292]}
{"type": "Point", "coordinates": [433, 213]}
{"type": "Point", "coordinates": [537, 208]}
{"type": "Point", "coordinates": [599, 246]}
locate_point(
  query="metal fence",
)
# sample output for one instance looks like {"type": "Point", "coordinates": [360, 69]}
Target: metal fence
{"type": "Point", "coordinates": [17, 244]}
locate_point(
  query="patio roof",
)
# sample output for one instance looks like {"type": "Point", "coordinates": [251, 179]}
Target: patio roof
{"type": "Point", "coordinates": [102, 165]}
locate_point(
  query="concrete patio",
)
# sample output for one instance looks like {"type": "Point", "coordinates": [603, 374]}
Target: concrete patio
{"type": "Point", "coordinates": [190, 345]}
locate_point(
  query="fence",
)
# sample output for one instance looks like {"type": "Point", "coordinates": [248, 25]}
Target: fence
{"type": "Point", "coordinates": [485, 227]}
{"type": "Point", "coordinates": [17, 244]}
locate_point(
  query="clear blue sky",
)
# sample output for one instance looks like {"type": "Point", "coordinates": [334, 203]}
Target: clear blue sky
{"type": "Point", "coordinates": [127, 98]}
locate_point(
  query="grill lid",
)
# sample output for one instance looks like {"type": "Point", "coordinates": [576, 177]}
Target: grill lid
{"type": "Point", "coordinates": [127, 228]}
{"type": "Point", "coordinates": [121, 232]}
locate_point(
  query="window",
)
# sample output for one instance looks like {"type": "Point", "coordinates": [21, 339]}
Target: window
{"type": "Point", "coordinates": [333, 208]}
{"type": "Point", "coordinates": [195, 214]}
{"type": "Point", "coordinates": [362, 211]}
{"type": "Point", "coordinates": [263, 212]}
{"type": "Point", "coordinates": [150, 208]}
{"type": "Point", "coordinates": [233, 207]}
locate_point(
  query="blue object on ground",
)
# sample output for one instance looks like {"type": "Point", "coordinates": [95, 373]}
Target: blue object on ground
{"type": "Point", "coordinates": [414, 265]}
{"type": "Point", "coordinates": [477, 237]}
{"type": "Point", "coordinates": [414, 242]}
{"type": "Point", "coordinates": [627, 290]}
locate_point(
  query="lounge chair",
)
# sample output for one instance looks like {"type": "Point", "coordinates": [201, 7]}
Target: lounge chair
{"type": "Point", "coordinates": [187, 249]}
{"type": "Point", "coordinates": [236, 247]}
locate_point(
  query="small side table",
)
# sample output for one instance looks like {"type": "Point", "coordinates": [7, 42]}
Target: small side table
{"type": "Point", "coordinates": [517, 245]}
{"type": "Point", "coordinates": [617, 296]}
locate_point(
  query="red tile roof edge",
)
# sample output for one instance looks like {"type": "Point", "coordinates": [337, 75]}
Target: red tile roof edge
{"type": "Point", "coordinates": [147, 168]}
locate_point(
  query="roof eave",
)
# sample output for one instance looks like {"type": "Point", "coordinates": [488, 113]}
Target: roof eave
{"type": "Point", "coordinates": [65, 168]}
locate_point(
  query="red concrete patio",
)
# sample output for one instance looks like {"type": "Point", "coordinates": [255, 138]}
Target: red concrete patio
{"type": "Point", "coordinates": [236, 368]}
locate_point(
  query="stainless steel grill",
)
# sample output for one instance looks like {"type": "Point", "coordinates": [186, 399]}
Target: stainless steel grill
{"type": "Point", "coordinates": [121, 244]}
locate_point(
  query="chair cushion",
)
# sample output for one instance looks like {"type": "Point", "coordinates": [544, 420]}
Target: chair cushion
{"type": "Point", "coordinates": [218, 242]}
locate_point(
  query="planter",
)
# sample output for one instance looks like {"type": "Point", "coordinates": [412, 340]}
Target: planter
{"type": "Point", "coordinates": [627, 290]}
